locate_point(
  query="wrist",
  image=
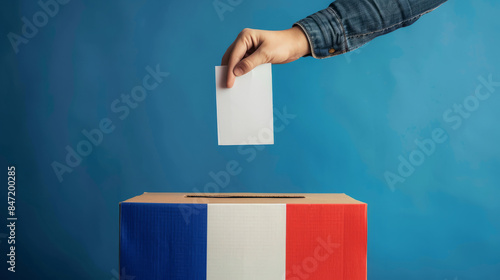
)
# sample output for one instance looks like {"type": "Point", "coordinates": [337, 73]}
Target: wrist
{"type": "Point", "coordinates": [300, 39]}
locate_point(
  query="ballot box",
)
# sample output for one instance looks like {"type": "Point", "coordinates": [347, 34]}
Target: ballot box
{"type": "Point", "coordinates": [240, 236]}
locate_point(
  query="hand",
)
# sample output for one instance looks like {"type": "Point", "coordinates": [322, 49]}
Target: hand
{"type": "Point", "coordinates": [254, 47]}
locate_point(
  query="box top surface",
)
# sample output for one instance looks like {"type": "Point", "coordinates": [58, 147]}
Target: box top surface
{"type": "Point", "coordinates": [245, 198]}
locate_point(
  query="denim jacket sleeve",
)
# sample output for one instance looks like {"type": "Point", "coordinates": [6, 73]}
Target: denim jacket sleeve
{"type": "Point", "coordinates": [348, 24]}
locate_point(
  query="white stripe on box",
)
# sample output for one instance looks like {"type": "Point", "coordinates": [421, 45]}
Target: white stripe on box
{"type": "Point", "coordinates": [246, 241]}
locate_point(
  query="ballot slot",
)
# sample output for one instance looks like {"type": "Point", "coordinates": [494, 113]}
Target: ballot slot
{"type": "Point", "coordinates": [241, 196]}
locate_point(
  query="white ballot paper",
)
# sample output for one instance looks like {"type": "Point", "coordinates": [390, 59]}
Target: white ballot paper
{"type": "Point", "coordinates": [245, 111]}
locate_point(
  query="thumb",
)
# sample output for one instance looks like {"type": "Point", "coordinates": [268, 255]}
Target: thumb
{"type": "Point", "coordinates": [247, 64]}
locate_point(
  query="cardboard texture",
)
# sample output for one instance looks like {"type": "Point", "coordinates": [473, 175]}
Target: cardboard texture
{"type": "Point", "coordinates": [243, 236]}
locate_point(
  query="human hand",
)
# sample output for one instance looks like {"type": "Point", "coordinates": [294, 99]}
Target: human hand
{"type": "Point", "coordinates": [253, 47]}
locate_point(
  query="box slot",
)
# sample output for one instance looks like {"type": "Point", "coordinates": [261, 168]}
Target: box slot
{"type": "Point", "coordinates": [243, 196]}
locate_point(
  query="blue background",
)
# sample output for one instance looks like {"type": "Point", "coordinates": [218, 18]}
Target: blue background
{"type": "Point", "coordinates": [354, 116]}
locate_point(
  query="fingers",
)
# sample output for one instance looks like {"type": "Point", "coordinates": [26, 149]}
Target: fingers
{"type": "Point", "coordinates": [245, 42]}
{"type": "Point", "coordinates": [239, 50]}
{"type": "Point", "coordinates": [243, 55]}
{"type": "Point", "coordinates": [254, 47]}
{"type": "Point", "coordinates": [247, 64]}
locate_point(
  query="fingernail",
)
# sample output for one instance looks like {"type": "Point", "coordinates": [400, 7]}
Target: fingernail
{"type": "Point", "coordinates": [238, 71]}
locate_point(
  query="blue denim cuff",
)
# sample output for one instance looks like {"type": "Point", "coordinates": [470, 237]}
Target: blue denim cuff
{"type": "Point", "coordinates": [325, 33]}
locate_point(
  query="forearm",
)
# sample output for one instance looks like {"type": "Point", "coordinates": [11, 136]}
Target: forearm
{"type": "Point", "coordinates": [348, 24]}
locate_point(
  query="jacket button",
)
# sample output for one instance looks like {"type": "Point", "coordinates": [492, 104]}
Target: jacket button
{"type": "Point", "coordinates": [331, 50]}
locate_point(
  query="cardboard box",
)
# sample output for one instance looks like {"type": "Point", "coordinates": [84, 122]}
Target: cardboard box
{"type": "Point", "coordinates": [242, 236]}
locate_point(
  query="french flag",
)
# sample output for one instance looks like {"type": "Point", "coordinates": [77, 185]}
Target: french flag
{"type": "Point", "coordinates": [260, 240]}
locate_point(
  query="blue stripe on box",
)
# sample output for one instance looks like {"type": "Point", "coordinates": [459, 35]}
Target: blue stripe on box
{"type": "Point", "coordinates": [163, 241]}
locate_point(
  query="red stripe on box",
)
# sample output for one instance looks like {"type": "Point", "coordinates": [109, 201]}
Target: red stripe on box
{"type": "Point", "coordinates": [355, 240]}
{"type": "Point", "coordinates": [326, 241]}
